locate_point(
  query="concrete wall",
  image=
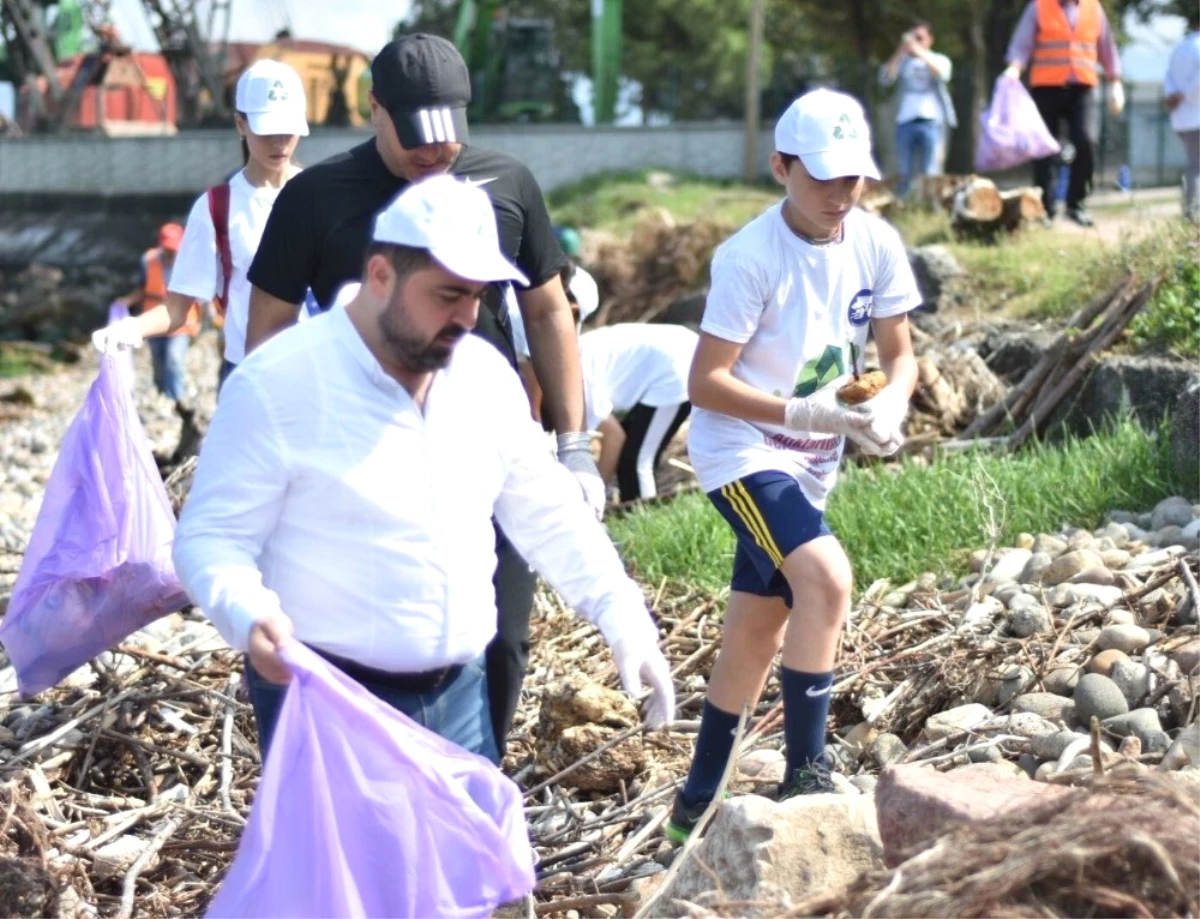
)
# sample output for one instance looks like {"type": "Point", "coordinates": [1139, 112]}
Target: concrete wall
{"type": "Point", "coordinates": [157, 166]}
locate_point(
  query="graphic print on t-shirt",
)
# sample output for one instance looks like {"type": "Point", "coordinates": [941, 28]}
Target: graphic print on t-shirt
{"type": "Point", "coordinates": [819, 372]}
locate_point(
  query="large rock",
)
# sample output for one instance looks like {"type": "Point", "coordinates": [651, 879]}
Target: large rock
{"type": "Point", "coordinates": [1146, 386]}
{"type": "Point", "coordinates": [916, 804]}
{"type": "Point", "coordinates": [765, 853]}
{"type": "Point", "coordinates": [938, 275]}
{"type": "Point", "coordinates": [1013, 354]}
{"type": "Point", "coordinates": [1185, 435]}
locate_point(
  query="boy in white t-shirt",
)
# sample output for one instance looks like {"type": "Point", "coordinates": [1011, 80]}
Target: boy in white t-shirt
{"type": "Point", "coordinates": [793, 295]}
{"type": "Point", "coordinates": [639, 369]}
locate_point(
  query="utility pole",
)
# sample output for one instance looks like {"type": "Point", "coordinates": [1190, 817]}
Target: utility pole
{"type": "Point", "coordinates": [753, 89]}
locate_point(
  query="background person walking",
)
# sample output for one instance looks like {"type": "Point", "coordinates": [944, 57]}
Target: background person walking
{"type": "Point", "coordinates": [1182, 100]}
{"type": "Point", "coordinates": [1065, 43]}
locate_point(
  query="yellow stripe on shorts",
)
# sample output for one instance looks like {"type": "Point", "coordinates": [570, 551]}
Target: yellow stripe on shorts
{"type": "Point", "coordinates": [739, 499]}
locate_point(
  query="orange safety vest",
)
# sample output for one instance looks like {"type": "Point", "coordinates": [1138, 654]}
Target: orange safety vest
{"type": "Point", "coordinates": [1062, 55]}
{"type": "Point", "coordinates": [154, 292]}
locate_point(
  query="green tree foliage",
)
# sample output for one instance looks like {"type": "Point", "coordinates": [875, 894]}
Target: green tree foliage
{"type": "Point", "coordinates": [689, 56]}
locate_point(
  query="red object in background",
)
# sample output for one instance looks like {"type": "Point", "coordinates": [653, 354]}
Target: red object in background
{"type": "Point", "coordinates": [123, 93]}
{"type": "Point", "coordinates": [116, 93]}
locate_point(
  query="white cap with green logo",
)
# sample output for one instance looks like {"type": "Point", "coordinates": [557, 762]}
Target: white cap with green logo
{"type": "Point", "coordinates": [830, 134]}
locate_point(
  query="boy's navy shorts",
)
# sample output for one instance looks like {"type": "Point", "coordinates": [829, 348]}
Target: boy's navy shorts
{"type": "Point", "coordinates": [771, 517]}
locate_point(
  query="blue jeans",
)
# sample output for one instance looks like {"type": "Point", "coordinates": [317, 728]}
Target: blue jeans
{"type": "Point", "coordinates": [916, 150]}
{"type": "Point", "coordinates": [168, 353]}
{"type": "Point", "coordinates": [457, 710]}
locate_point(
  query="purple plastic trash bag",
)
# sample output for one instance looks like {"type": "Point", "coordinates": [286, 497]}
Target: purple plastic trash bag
{"type": "Point", "coordinates": [1013, 130]}
{"type": "Point", "coordinates": [98, 565]}
{"type": "Point", "coordinates": [362, 812]}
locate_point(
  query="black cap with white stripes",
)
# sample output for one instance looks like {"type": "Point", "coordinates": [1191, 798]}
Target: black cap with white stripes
{"type": "Point", "coordinates": [424, 84]}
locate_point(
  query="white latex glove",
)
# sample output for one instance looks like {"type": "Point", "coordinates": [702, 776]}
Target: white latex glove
{"type": "Point", "coordinates": [822, 414]}
{"type": "Point", "coordinates": [1012, 72]}
{"type": "Point", "coordinates": [885, 433]}
{"type": "Point", "coordinates": [121, 335]}
{"type": "Point", "coordinates": [575, 452]}
{"type": "Point", "coordinates": [641, 660]}
{"type": "Point", "coordinates": [1116, 97]}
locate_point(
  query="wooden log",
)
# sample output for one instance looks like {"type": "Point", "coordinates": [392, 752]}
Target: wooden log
{"type": "Point", "coordinates": [1082, 319]}
{"type": "Point", "coordinates": [1110, 334]}
{"type": "Point", "coordinates": [1019, 206]}
{"type": "Point", "coordinates": [977, 201]}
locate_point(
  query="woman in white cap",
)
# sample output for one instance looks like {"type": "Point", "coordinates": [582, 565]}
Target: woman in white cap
{"type": "Point", "coordinates": [227, 221]}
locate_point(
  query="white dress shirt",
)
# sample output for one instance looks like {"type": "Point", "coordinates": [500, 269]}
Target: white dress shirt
{"type": "Point", "coordinates": [323, 491]}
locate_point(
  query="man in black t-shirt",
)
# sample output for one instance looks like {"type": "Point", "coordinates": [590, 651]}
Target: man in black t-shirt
{"type": "Point", "coordinates": [317, 237]}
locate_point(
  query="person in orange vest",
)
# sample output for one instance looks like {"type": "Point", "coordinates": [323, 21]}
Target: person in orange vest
{"type": "Point", "coordinates": [1065, 43]}
{"type": "Point", "coordinates": [168, 353]}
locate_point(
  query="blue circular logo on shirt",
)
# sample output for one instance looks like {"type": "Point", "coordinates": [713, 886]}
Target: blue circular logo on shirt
{"type": "Point", "coordinates": [859, 312]}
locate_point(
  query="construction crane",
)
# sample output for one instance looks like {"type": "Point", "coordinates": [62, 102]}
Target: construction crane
{"type": "Point", "coordinates": [514, 66]}
{"type": "Point", "coordinates": [197, 70]}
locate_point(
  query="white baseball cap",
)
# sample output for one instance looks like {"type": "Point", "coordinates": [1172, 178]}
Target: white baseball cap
{"type": "Point", "coordinates": [830, 134]}
{"type": "Point", "coordinates": [271, 96]}
{"type": "Point", "coordinates": [455, 222]}
{"type": "Point", "coordinates": [584, 289]}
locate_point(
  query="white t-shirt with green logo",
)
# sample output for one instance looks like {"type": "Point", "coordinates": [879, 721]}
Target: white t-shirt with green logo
{"type": "Point", "coordinates": [797, 308]}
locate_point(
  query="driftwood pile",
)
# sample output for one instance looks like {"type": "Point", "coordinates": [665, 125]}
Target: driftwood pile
{"type": "Point", "coordinates": [1086, 335]}
{"type": "Point", "coordinates": [123, 790]}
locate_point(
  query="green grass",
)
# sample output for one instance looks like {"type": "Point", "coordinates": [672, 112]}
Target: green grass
{"type": "Point", "coordinates": [1045, 275]}
{"type": "Point", "coordinates": [617, 202]}
{"type": "Point", "coordinates": [899, 521]}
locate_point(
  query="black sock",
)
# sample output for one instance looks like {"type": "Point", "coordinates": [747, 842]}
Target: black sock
{"type": "Point", "coordinates": [805, 714]}
{"type": "Point", "coordinates": [713, 748]}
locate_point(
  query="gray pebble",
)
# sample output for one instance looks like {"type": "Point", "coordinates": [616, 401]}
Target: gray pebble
{"type": "Point", "coordinates": [1175, 511]}
{"type": "Point", "coordinates": [1051, 746]}
{"type": "Point", "coordinates": [1029, 619]}
{"type": "Point", "coordinates": [887, 749]}
{"type": "Point", "coordinates": [1141, 723]}
{"type": "Point", "coordinates": [1048, 705]}
{"type": "Point", "coordinates": [1133, 679]}
{"type": "Point", "coordinates": [1099, 696]}
{"type": "Point", "coordinates": [1132, 639]}
{"type": "Point", "coordinates": [1061, 680]}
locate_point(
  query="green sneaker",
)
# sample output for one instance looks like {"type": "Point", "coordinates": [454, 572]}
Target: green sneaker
{"type": "Point", "coordinates": [683, 819]}
{"type": "Point", "coordinates": [807, 780]}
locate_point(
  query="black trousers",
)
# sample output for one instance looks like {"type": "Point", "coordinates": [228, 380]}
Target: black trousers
{"type": "Point", "coordinates": [1077, 106]}
{"type": "Point", "coordinates": [648, 430]}
{"type": "Point", "coordinates": [508, 655]}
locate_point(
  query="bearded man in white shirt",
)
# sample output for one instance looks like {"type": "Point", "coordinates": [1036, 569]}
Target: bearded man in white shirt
{"type": "Point", "coordinates": [346, 488]}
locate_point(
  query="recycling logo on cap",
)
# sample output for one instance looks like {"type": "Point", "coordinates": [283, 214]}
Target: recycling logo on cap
{"type": "Point", "coordinates": [278, 92]}
{"type": "Point", "coordinates": [850, 132]}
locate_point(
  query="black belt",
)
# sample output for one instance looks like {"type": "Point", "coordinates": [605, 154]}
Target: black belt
{"type": "Point", "coordinates": [424, 681]}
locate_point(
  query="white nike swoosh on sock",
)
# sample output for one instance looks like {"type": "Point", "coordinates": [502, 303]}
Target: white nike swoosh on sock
{"type": "Point", "coordinates": [814, 692]}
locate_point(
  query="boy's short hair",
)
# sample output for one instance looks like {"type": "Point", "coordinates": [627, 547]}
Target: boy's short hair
{"type": "Point", "coordinates": [787, 159]}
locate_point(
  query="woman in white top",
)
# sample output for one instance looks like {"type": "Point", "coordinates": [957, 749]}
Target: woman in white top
{"type": "Point", "coordinates": [1182, 99]}
{"type": "Point", "coordinates": [925, 110]}
{"type": "Point", "coordinates": [271, 119]}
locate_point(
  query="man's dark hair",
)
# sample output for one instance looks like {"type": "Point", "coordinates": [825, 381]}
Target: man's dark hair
{"type": "Point", "coordinates": [405, 259]}
{"type": "Point", "coordinates": [787, 159]}
{"type": "Point", "coordinates": [921, 24]}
